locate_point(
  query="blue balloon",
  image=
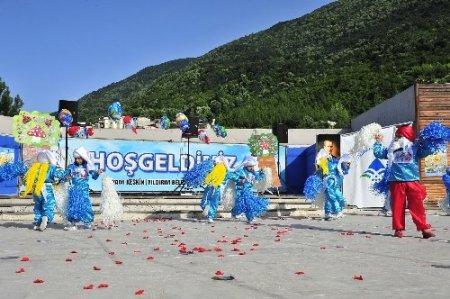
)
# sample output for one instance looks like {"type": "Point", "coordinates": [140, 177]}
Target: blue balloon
{"type": "Point", "coordinates": [115, 111]}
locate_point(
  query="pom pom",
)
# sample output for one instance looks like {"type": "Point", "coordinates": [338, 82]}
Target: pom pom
{"type": "Point", "coordinates": [313, 186]}
{"type": "Point", "coordinates": [220, 131]}
{"type": "Point", "coordinates": [12, 170]}
{"type": "Point", "coordinates": [196, 176]}
{"type": "Point", "coordinates": [365, 138]}
{"type": "Point", "coordinates": [216, 176]}
{"type": "Point", "coordinates": [111, 204]}
{"type": "Point", "coordinates": [164, 122]}
{"type": "Point", "coordinates": [266, 182]}
{"type": "Point", "coordinates": [115, 111]}
{"type": "Point", "coordinates": [203, 136]}
{"type": "Point", "coordinates": [65, 117]}
{"type": "Point", "coordinates": [61, 192]}
{"type": "Point", "coordinates": [382, 186]}
{"type": "Point", "coordinates": [250, 204]}
{"type": "Point", "coordinates": [228, 196]}
{"type": "Point", "coordinates": [433, 138]}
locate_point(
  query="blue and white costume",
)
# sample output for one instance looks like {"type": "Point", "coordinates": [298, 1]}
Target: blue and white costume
{"type": "Point", "coordinates": [445, 204]}
{"type": "Point", "coordinates": [246, 201]}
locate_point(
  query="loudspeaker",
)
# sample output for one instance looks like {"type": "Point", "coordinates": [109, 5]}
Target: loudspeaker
{"type": "Point", "coordinates": [193, 128]}
{"type": "Point", "coordinates": [281, 131]}
{"type": "Point", "coordinates": [72, 106]}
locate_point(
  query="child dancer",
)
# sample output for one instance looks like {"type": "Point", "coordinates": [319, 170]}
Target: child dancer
{"type": "Point", "coordinates": [79, 207]}
{"type": "Point", "coordinates": [246, 202]}
{"type": "Point", "coordinates": [39, 180]}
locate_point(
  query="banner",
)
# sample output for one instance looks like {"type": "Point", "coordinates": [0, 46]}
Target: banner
{"type": "Point", "coordinates": [364, 172]}
{"type": "Point", "coordinates": [436, 165]}
{"type": "Point", "coordinates": [143, 166]}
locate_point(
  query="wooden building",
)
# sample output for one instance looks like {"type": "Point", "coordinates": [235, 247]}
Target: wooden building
{"type": "Point", "coordinates": [420, 104]}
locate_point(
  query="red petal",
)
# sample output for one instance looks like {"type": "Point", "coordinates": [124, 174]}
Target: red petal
{"type": "Point", "coordinates": [73, 251]}
{"type": "Point", "coordinates": [25, 259]}
{"type": "Point", "coordinates": [252, 249]}
{"type": "Point", "coordinates": [219, 273]}
{"type": "Point", "coordinates": [102, 285]}
{"type": "Point", "coordinates": [90, 236]}
{"type": "Point", "coordinates": [96, 268]}
{"type": "Point", "coordinates": [242, 253]}
{"type": "Point", "coordinates": [118, 262]}
{"type": "Point", "coordinates": [68, 259]}
{"type": "Point", "coordinates": [357, 277]}
{"type": "Point", "coordinates": [139, 292]}
{"type": "Point", "coordinates": [150, 258]}
{"type": "Point", "coordinates": [38, 280]}
{"type": "Point", "coordinates": [277, 240]}
{"type": "Point", "coordinates": [156, 249]}
{"type": "Point", "coordinates": [367, 237]}
{"type": "Point", "coordinates": [137, 251]}
{"type": "Point", "coordinates": [88, 287]}
{"type": "Point", "coordinates": [220, 255]}
{"type": "Point", "coordinates": [235, 249]}
{"type": "Point", "coordinates": [127, 234]}
{"type": "Point", "coordinates": [322, 247]}
{"type": "Point", "coordinates": [256, 244]}
{"type": "Point", "coordinates": [108, 240]}
{"type": "Point", "coordinates": [21, 270]}
{"type": "Point", "coordinates": [217, 249]}
{"type": "Point", "coordinates": [124, 243]}
{"type": "Point", "coordinates": [111, 253]}
{"type": "Point", "coordinates": [299, 273]}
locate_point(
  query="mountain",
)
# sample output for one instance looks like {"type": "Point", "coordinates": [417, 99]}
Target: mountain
{"type": "Point", "coordinates": [332, 64]}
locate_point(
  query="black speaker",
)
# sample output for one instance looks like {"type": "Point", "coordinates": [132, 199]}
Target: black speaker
{"type": "Point", "coordinates": [192, 132]}
{"type": "Point", "coordinates": [281, 131]}
{"type": "Point", "coordinates": [72, 106]}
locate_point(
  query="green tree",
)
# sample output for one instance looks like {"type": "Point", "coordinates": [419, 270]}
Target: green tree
{"type": "Point", "coordinates": [9, 106]}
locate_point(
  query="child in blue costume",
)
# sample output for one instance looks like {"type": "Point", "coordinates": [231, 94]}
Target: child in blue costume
{"type": "Point", "coordinates": [246, 201]}
{"type": "Point", "coordinates": [212, 195]}
{"type": "Point", "coordinates": [79, 207]}
{"type": "Point", "coordinates": [43, 195]}
{"type": "Point", "coordinates": [445, 204]}
{"type": "Point", "coordinates": [332, 171]}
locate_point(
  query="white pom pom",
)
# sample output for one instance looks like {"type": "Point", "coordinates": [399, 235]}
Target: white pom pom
{"type": "Point", "coordinates": [262, 185]}
{"type": "Point", "coordinates": [61, 194]}
{"type": "Point", "coordinates": [111, 204]}
{"type": "Point", "coordinates": [228, 196]}
{"type": "Point", "coordinates": [365, 138]}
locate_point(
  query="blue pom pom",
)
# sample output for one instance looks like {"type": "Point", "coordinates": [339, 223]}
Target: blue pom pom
{"type": "Point", "coordinates": [12, 170]}
{"type": "Point", "coordinates": [313, 186]}
{"type": "Point", "coordinates": [79, 206]}
{"type": "Point", "coordinates": [446, 180]}
{"type": "Point", "coordinates": [194, 178]}
{"type": "Point", "coordinates": [382, 187]}
{"type": "Point", "coordinates": [249, 204]}
{"type": "Point", "coordinates": [434, 137]}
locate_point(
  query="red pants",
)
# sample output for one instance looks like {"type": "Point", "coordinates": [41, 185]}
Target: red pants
{"type": "Point", "coordinates": [415, 193]}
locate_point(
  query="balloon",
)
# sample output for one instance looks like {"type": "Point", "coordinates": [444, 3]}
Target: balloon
{"type": "Point", "coordinates": [203, 136]}
{"type": "Point", "coordinates": [115, 111]}
{"type": "Point", "coordinates": [164, 122]}
{"type": "Point", "coordinates": [65, 117]}
{"type": "Point", "coordinates": [220, 131]}
{"type": "Point", "coordinates": [182, 121]}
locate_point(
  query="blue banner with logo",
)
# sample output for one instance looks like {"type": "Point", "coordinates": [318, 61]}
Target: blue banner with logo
{"type": "Point", "coordinates": [145, 166]}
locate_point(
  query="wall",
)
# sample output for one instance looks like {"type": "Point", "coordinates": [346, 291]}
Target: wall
{"type": "Point", "coordinates": [398, 109]}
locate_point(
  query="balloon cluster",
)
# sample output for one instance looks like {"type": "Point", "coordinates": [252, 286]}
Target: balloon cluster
{"type": "Point", "coordinates": [129, 121]}
{"type": "Point", "coordinates": [164, 122]}
{"type": "Point", "coordinates": [220, 131]}
{"type": "Point", "coordinates": [115, 111]}
{"type": "Point", "coordinates": [182, 121]}
{"type": "Point", "coordinates": [65, 117]}
{"type": "Point", "coordinates": [80, 132]}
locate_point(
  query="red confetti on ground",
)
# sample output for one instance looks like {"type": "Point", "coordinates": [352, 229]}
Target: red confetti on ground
{"type": "Point", "coordinates": [102, 285]}
{"type": "Point", "coordinates": [25, 259]}
{"type": "Point", "coordinates": [183, 233]}
{"type": "Point", "coordinates": [21, 270]}
{"type": "Point", "coordinates": [156, 249]}
{"type": "Point", "coordinates": [242, 253]}
{"type": "Point", "coordinates": [127, 234]}
{"type": "Point", "coordinates": [357, 277]}
{"type": "Point", "coordinates": [220, 255]}
{"type": "Point", "coordinates": [367, 237]}
{"type": "Point", "coordinates": [217, 249]}
{"type": "Point", "coordinates": [96, 268]}
{"type": "Point", "coordinates": [74, 251]}
{"type": "Point", "coordinates": [219, 273]}
{"type": "Point", "coordinates": [235, 249]}
{"type": "Point", "coordinates": [145, 238]}
{"type": "Point", "coordinates": [252, 249]}
{"type": "Point", "coordinates": [299, 273]}
{"type": "Point", "coordinates": [139, 292]}
{"type": "Point", "coordinates": [213, 231]}
{"type": "Point", "coordinates": [322, 247]}
{"type": "Point", "coordinates": [350, 233]}
{"type": "Point", "coordinates": [88, 287]}
{"type": "Point", "coordinates": [137, 251]}
{"type": "Point", "coordinates": [108, 240]}
{"type": "Point", "coordinates": [150, 258]}
{"type": "Point", "coordinates": [38, 280]}
{"type": "Point", "coordinates": [255, 244]}
{"type": "Point", "coordinates": [111, 253]}
{"type": "Point", "coordinates": [90, 236]}
{"type": "Point", "coordinates": [68, 259]}
{"type": "Point", "coordinates": [277, 240]}
{"type": "Point", "coordinates": [124, 243]}
{"type": "Point", "coordinates": [118, 262]}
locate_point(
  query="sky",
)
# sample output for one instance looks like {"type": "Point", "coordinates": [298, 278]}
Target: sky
{"type": "Point", "coordinates": [63, 49]}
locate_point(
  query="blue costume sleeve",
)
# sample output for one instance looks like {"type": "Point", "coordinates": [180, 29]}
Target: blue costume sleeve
{"type": "Point", "coordinates": [446, 181]}
{"type": "Point", "coordinates": [379, 151]}
{"type": "Point", "coordinates": [259, 175]}
{"type": "Point", "coordinates": [344, 168]}
{"type": "Point", "coordinates": [422, 151]}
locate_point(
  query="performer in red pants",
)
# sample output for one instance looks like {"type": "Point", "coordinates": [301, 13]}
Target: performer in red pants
{"type": "Point", "coordinates": [403, 157]}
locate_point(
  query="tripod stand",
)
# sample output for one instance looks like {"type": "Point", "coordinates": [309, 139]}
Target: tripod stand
{"type": "Point", "coordinates": [188, 137]}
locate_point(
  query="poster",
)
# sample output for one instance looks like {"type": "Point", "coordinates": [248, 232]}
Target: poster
{"type": "Point", "coordinates": [435, 165]}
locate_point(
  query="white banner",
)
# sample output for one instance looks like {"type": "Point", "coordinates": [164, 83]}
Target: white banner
{"type": "Point", "coordinates": [364, 172]}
